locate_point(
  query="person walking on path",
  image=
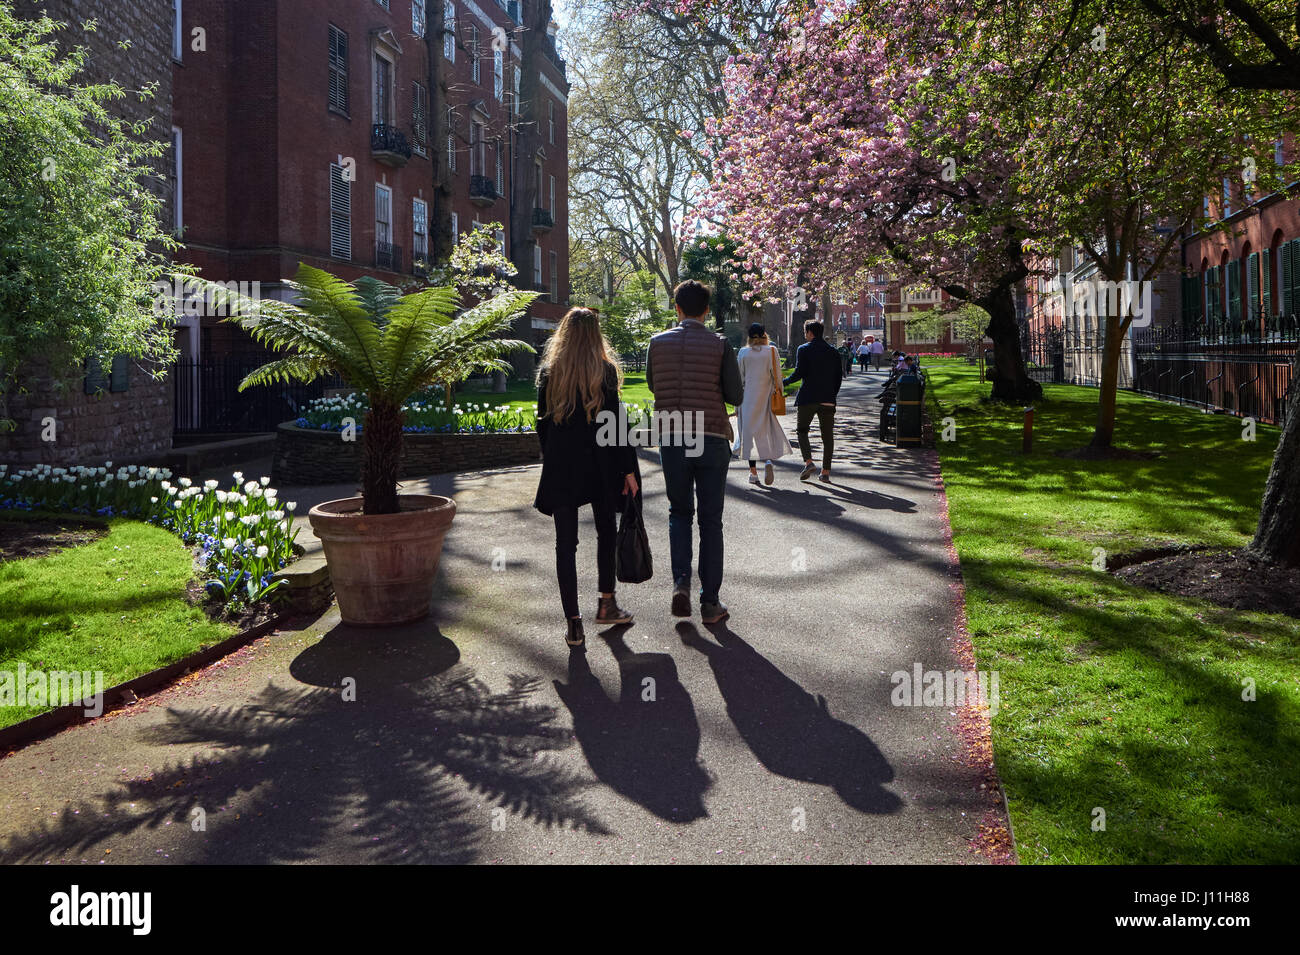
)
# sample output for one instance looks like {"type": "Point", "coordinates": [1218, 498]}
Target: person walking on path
{"type": "Point", "coordinates": [761, 434]}
{"type": "Point", "coordinates": [877, 352]}
{"type": "Point", "coordinates": [820, 369]}
{"type": "Point", "coordinates": [692, 372]}
{"type": "Point", "coordinates": [864, 354]}
{"type": "Point", "coordinates": [846, 353]}
{"type": "Point", "coordinates": [578, 381]}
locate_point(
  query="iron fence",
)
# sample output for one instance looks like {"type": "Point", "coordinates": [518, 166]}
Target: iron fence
{"type": "Point", "coordinates": [208, 399]}
{"type": "Point", "coordinates": [1246, 368]}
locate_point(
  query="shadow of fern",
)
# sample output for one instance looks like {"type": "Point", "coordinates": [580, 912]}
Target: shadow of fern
{"type": "Point", "coordinates": [398, 775]}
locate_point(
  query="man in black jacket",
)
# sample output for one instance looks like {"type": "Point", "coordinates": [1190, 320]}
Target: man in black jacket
{"type": "Point", "coordinates": [821, 369]}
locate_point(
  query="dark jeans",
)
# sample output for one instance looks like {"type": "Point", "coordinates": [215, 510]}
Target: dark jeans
{"type": "Point", "coordinates": [690, 480]}
{"type": "Point", "coordinates": [825, 415]}
{"type": "Point", "coordinates": [566, 552]}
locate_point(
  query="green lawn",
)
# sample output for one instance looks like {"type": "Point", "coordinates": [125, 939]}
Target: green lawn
{"type": "Point", "coordinates": [115, 605]}
{"type": "Point", "coordinates": [1115, 697]}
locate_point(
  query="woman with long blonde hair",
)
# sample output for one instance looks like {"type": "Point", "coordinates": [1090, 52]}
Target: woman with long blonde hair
{"type": "Point", "coordinates": [580, 378]}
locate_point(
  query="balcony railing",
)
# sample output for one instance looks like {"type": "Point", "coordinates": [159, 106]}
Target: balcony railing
{"type": "Point", "coordinates": [388, 256]}
{"type": "Point", "coordinates": [542, 221]}
{"type": "Point", "coordinates": [388, 145]}
{"type": "Point", "coordinates": [482, 190]}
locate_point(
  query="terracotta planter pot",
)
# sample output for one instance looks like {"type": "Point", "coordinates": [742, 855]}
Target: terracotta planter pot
{"type": "Point", "coordinates": [382, 565]}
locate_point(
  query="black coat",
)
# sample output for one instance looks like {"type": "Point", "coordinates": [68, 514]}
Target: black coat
{"type": "Point", "coordinates": [820, 368]}
{"type": "Point", "coordinates": [575, 469]}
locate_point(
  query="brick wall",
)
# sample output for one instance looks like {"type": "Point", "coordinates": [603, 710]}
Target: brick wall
{"type": "Point", "coordinates": [305, 456]}
{"type": "Point", "coordinates": [138, 421]}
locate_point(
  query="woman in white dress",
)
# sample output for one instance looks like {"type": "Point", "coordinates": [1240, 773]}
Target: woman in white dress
{"type": "Point", "coordinates": [759, 434]}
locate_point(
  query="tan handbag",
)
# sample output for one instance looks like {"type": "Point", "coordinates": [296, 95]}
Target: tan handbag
{"type": "Point", "coordinates": [778, 396]}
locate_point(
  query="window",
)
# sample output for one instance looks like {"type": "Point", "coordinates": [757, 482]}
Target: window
{"type": "Point", "coordinates": [383, 91]}
{"type": "Point", "coordinates": [449, 30]}
{"type": "Point", "coordinates": [178, 32]}
{"type": "Point", "coordinates": [552, 206]}
{"type": "Point", "coordinates": [383, 222]}
{"type": "Point", "coordinates": [550, 118]}
{"type": "Point", "coordinates": [382, 3]}
{"type": "Point", "coordinates": [419, 228]}
{"type": "Point", "coordinates": [420, 119]}
{"type": "Point", "coordinates": [455, 229]}
{"type": "Point", "coordinates": [1279, 156]}
{"type": "Point", "coordinates": [537, 183]}
{"type": "Point", "coordinates": [417, 17]}
{"type": "Point", "coordinates": [501, 241]}
{"type": "Point", "coordinates": [340, 214]}
{"type": "Point", "coordinates": [501, 174]}
{"type": "Point", "coordinates": [338, 59]}
{"type": "Point", "coordinates": [519, 75]}
{"type": "Point", "coordinates": [498, 73]}
{"type": "Point", "coordinates": [451, 139]}
{"type": "Point", "coordinates": [537, 266]}
{"type": "Point", "coordinates": [178, 182]}
{"type": "Point", "coordinates": [476, 149]}
{"type": "Point", "coordinates": [473, 54]}
{"type": "Point", "coordinates": [1227, 197]}
{"type": "Point", "coordinates": [555, 277]}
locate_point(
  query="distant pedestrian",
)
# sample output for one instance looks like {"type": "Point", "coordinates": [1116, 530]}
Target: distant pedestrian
{"type": "Point", "coordinates": [579, 378]}
{"type": "Point", "coordinates": [864, 354]}
{"type": "Point", "coordinates": [761, 434]}
{"type": "Point", "coordinates": [820, 368]}
{"type": "Point", "coordinates": [846, 356]}
{"type": "Point", "coordinates": [877, 352]}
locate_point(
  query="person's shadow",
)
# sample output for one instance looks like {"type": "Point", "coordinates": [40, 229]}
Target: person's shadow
{"type": "Point", "coordinates": [646, 745]}
{"type": "Point", "coordinates": [790, 731]}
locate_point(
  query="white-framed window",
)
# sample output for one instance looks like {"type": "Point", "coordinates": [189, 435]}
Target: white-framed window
{"type": "Point", "coordinates": [178, 181]}
{"type": "Point", "coordinates": [420, 119]}
{"type": "Point", "coordinates": [498, 73]}
{"type": "Point", "coordinates": [340, 213]}
{"type": "Point", "coordinates": [449, 30]}
{"type": "Point", "coordinates": [455, 229]}
{"type": "Point", "coordinates": [555, 277]}
{"type": "Point", "coordinates": [1227, 197]}
{"type": "Point", "coordinates": [383, 95]}
{"type": "Point", "coordinates": [473, 54]}
{"type": "Point", "coordinates": [338, 67]}
{"type": "Point", "coordinates": [519, 78]}
{"type": "Point", "coordinates": [537, 265]}
{"type": "Point", "coordinates": [383, 214]}
{"type": "Point", "coordinates": [550, 119]}
{"type": "Point", "coordinates": [178, 31]}
{"type": "Point", "coordinates": [417, 17]}
{"type": "Point", "coordinates": [501, 168]}
{"type": "Point", "coordinates": [451, 139]}
{"type": "Point", "coordinates": [419, 228]}
{"type": "Point", "coordinates": [552, 205]}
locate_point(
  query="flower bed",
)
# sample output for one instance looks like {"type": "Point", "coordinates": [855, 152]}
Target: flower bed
{"type": "Point", "coordinates": [425, 415]}
{"type": "Point", "coordinates": [242, 535]}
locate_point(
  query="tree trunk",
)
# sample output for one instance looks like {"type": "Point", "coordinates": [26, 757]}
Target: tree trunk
{"type": "Point", "coordinates": [1111, 348]}
{"type": "Point", "coordinates": [1011, 381]}
{"type": "Point", "coordinates": [1277, 538]}
{"type": "Point", "coordinates": [381, 456]}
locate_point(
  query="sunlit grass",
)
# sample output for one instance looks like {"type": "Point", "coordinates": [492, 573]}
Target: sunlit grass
{"type": "Point", "coordinates": [1114, 697]}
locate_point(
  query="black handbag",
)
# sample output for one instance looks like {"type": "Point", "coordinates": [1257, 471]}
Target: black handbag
{"type": "Point", "coordinates": [632, 564]}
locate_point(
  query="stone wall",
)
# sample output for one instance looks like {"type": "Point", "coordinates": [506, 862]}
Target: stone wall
{"type": "Point", "coordinates": [137, 422]}
{"type": "Point", "coordinates": [308, 456]}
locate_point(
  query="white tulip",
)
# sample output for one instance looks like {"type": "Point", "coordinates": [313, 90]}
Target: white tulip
{"type": "Point", "coordinates": [262, 552]}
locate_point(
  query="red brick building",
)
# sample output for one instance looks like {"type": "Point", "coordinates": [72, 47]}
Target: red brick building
{"type": "Point", "coordinates": [360, 136]}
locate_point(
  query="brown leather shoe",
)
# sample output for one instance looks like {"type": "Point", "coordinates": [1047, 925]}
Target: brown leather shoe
{"type": "Point", "coordinates": [608, 611]}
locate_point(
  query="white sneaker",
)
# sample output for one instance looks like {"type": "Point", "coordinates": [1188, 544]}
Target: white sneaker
{"type": "Point", "coordinates": [753, 478]}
